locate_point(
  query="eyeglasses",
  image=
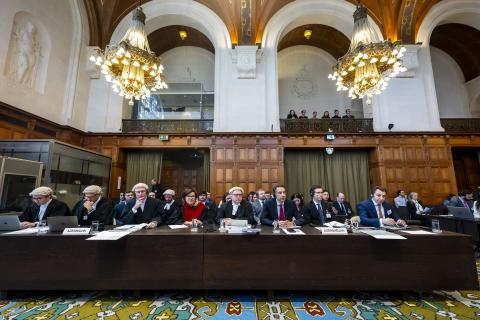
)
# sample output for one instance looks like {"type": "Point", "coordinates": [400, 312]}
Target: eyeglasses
{"type": "Point", "coordinates": [37, 198]}
{"type": "Point", "coordinates": [193, 196]}
{"type": "Point", "coordinates": [237, 194]}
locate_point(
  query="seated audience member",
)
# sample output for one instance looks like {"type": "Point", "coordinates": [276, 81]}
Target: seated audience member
{"type": "Point", "coordinates": [210, 202]}
{"type": "Point", "coordinates": [476, 209]}
{"type": "Point", "coordinates": [152, 194]}
{"type": "Point", "coordinates": [375, 212]}
{"type": "Point", "coordinates": [157, 188]}
{"type": "Point", "coordinates": [279, 208]}
{"type": "Point", "coordinates": [268, 195]}
{"type": "Point", "coordinates": [297, 198]}
{"type": "Point", "coordinates": [463, 199]}
{"type": "Point", "coordinates": [415, 207]}
{"type": "Point", "coordinates": [336, 114]}
{"type": "Point", "coordinates": [93, 207]}
{"type": "Point", "coordinates": [317, 211]}
{"type": "Point", "coordinates": [348, 114]}
{"type": "Point", "coordinates": [451, 200]}
{"type": "Point", "coordinates": [401, 199]}
{"type": "Point", "coordinates": [238, 208]}
{"type": "Point", "coordinates": [314, 115]}
{"type": "Point", "coordinates": [142, 209]}
{"type": "Point", "coordinates": [258, 205]}
{"type": "Point", "coordinates": [44, 206]}
{"type": "Point", "coordinates": [326, 115]}
{"type": "Point", "coordinates": [169, 209]}
{"type": "Point", "coordinates": [343, 207]}
{"type": "Point", "coordinates": [226, 197]}
{"type": "Point", "coordinates": [118, 209]}
{"type": "Point", "coordinates": [326, 196]}
{"type": "Point", "coordinates": [251, 196]}
{"type": "Point", "coordinates": [194, 210]}
{"type": "Point", "coordinates": [292, 115]}
{"type": "Point", "coordinates": [203, 198]}
{"type": "Point", "coordinates": [303, 114]}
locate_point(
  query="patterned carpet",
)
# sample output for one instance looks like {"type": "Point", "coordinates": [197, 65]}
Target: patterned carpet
{"type": "Point", "coordinates": [241, 305]}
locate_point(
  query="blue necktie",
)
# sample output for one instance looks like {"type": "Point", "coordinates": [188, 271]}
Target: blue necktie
{"type": "Point", "coordinates": [320, 213]}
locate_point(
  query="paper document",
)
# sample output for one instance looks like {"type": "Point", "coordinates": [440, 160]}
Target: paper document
{"type": "Point", "coordinates": [292, 231]}
{"type": "Point", "coordinates": [419, 232]}
{"type": "Point", "coordinates": [109, 235]}
{"type": "Point", "coordinates": [382, 234]}
{"type": "Point", "coordinates": [24, 231]}
{"type": "Point", "coordinates": [177, 226]}
{"type": "Point", "coordinates": [131, 227]}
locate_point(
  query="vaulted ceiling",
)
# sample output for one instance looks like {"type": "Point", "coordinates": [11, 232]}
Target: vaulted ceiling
{"type": "Point", "coordinates": [246, 21]}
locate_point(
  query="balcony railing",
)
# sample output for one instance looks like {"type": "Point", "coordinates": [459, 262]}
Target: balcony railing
{"type": "Point", "coordinates": [464, 125]}
{"type": "Point", "coordinates": [167, 126]}
{"type": "Point", "coordinates": [322, 125]}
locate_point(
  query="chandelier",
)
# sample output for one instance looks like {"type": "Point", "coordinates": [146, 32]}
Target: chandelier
{"type": "Point", "coordinates": [369, 64]}
{"type": "Point", "coordinates": [134, 71]}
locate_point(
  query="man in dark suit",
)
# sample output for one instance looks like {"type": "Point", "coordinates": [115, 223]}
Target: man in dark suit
{"type": "Point", "coordinates": [343, 207]}
{"type": "Point", "coordinates": [93, 207]}
{"type": "Point", "coordinates": [375, 212]}
{"type": "Point", "coordinates": [157, 188]}
{"type": "Point", "coordinates": [118, 209]}
{"type": "Point", "coordinates": [258, 205]}
{"type": "Point", "coordinates": [238, 208]}
{"type": "Point", "coordinates": [317, 211]}
{"type": "Point", "coordinates": [142, 209]}
{"type": "Point", "coordinates": [44, 206]}
{"type": "Point", "coordinates": [169, 209]}
{"type": "Point", "coordinates": [279, 208]}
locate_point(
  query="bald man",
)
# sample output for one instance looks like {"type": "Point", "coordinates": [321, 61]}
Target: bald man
{"type": "Point", "coordinates": [93, 207]}
{"type": "Point", "coordinates": [44, 206]}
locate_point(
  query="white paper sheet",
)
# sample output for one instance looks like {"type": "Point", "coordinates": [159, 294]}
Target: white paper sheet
{"type": "Point", "coordinates": [24, 231]}
{"type": "Point", "coordinates": [382, 234]}
{"type": "Point", "coordinates": [177, 226]}
{"type": "Point", "coordinates": [296, 231]}
{"type": "Point", "coordinates": [335, 224]}
{"type": "Point", "coordinates": [419, 232]}
{"type": "Point", "coordinates": [109, 235]}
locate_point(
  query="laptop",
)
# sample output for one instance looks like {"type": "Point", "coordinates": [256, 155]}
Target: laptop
{"type": "Point", "coordinates": [461, 212]}
{"type": "Point", "coordinates": [59, 223]}
{"type": "Point", "coordinates": [9, 223]}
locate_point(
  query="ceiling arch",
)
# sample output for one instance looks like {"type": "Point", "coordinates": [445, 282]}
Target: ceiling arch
{"type": "Point", "coordinates": [166, 38]}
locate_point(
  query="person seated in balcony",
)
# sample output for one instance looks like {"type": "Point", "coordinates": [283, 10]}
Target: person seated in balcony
{"type": "Point", "coordinates": [348, 114]}
{"type": "Point", "coordinates": [292, 115]}
{"type": "Point", "coordinates": [44, 206]}
{"type": "Point", "coordinates": [93, 207]}
{"type": "Point", "coordinates": [336, 114]}
{"type": "Point", "coordinates": [326, 115]}
{"type": "Point", "coordinates": [303, 114]}
{"type": "Point", "coordinates": [314, 115]}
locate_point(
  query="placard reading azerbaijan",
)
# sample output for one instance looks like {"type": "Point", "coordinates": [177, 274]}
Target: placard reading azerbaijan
{"type": "Point", "coordinates": [335, 231]}
{"type": "Point", "coordinates": [76, 231]}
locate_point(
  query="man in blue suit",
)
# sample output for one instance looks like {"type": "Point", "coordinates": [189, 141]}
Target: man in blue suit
{"type": "Point", "coordinates": [375, 212]}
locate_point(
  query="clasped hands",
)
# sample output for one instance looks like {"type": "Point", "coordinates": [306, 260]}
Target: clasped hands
{"type": "Point", "coordinates": [391, 222]}
{"type": "Point", "coordinates": [286, 224]}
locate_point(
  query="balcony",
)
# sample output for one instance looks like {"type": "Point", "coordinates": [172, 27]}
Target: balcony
{"type": "Point", "coordinates": [167, 126]}
{"type": "Point", "coordinates": [322, 125]}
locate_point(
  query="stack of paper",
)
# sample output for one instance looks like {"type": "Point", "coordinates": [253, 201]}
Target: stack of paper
{"type": "Point", "coordinates": [382, 234]}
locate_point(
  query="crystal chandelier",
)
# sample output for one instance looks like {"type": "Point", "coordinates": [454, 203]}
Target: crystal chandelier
{"type": "Point", "coordinates": [134, 71]}
{"type": "Point", "coordinates": [369, 64]}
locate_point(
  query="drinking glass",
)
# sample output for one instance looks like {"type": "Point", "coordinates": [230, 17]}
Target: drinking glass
{"type": "Point", "coordinates": [42, 227]}
{"type": "Point", "coordinates": [276, 226]}
{"type": "Point", "coordinates": [95, 225]}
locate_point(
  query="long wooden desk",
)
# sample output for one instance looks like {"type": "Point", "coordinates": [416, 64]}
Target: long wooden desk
{"type": "Point", "coordinates": [182, 260]}
{"type": "Point", "coordinates": [465, 226]}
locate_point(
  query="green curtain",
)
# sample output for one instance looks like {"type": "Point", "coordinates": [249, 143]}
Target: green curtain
{"type": "Point", "coordinates": [343, 171]}
{"type": "Point", "coordinates": [206, 170]}
{"type": "Point", "coordinates": [143, 166]}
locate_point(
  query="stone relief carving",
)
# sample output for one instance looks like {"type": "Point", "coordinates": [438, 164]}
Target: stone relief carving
{"type": "Point", "coordinates": [304, 86]}
{"type": "Point", "coordinates": [28, 51]}
{"type": "Point", "coordinates": [246, 59]}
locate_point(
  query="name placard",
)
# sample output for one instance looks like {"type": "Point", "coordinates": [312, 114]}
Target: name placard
{"type": "Point", "coordinates": [76, 231]}
{"type": "Point", "coordinates": [335, 231]}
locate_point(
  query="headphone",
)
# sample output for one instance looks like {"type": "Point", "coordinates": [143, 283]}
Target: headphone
{"type": "Point", "coordinates": [312, 190]}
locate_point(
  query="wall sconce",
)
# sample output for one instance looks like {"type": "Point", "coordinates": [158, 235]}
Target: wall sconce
{"type": "Point", "coordinates": [182, 34]}
{"type": "Point", "coordinates": [330, 136]}
{"type": "Point", "coordinates": [329, 151]}
{"type": "Point", "coordinates": [307, 33]}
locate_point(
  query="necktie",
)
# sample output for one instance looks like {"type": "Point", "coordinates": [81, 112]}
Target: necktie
{"type": "Point", "coordinates": [379, 211]}
{"type": "Point", "coordinates": [465, 204]}
{"type": "Point", "coordinates": [343, 209]}
{"type": "Point", "coordinates": [320, 213]}
{"type": "Point", "coordinates": [261, 203]}
{"type": "Point", "coordinates": [282, 213]}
